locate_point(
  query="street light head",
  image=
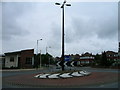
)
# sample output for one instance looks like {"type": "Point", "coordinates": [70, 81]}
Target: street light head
{"type": "Point", "coordinates": [57, 3]}
{"type": "Point", "coordinates": [68, 4]}
{"type": "Point", "coordinates": [65, 1]}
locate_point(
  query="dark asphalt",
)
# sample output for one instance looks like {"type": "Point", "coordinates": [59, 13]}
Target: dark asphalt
{"type": "Point", "coordinates": [53, 68]}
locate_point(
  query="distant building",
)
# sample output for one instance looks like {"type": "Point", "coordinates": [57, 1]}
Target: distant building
{"type": "Point", "coordinates": [118, 62]}
{"type": "Point", "coordinates": [20, 59]}
{"type": "Point", "coordinates": [119, 51]}
{"type": "Point", "coordinates": [112, 55]}
{"type": "Point", "coordinates": [75, 57]}
{"type": "Point", "coordinates": [2, 61]}
{"type": "Point", "coordinates": [86, 58]}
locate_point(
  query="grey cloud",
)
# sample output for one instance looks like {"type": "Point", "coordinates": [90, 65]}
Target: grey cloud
{"type": "Point", "coordinates": [56, 32]}
{"type": "Point", "coordinates": [83, 31]}
{"type": "Point", "coordinates": [119, 22]}
{"type": "Point", "coordinates": [11, 30]}
{"type": "Point", "coordinates": [55, 36]}
{"type": "Point", "coordinates": [108, 29]}
{"type": "Point", "coordinates": [80, 29]}
{"type": "Point", "coordinates": [83, 28]}
{"type": "Point", "coordinates": [10, 27]}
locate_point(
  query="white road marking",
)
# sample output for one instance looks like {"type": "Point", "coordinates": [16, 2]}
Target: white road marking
{"type": "Point", "coordinates": [54, 75]}
{"type": "Point", "coordinates": [76, 74]}
{"type": "Point", "coordinates": [44, 76]}
{"type": "Point", "coordinates": [65, 75]}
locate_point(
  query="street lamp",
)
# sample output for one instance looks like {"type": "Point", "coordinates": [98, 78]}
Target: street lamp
{"type": "Point", "coordinates": [62, 6]}
{"type": "Point", "coordinates": [40, 52]}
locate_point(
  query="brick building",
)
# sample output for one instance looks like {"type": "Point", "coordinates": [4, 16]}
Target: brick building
{"type": "Point", "coordinates": [20, 59]}
{"type": "Point", "coordinates": [86, 58]}
{"type": "Point", "coordinates": [112, 55]}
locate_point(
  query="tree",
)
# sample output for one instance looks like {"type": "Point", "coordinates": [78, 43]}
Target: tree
{"type": "Point", "coordinates": [97, 59]}
{"type": "Point", "coordinates": [104, 61]}
{"type": "Point", "coordinates": [45, 59]}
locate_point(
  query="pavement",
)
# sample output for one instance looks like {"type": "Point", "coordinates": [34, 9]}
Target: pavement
{"type": "Point", "coordinates": [96, 79]}
{"type": "Point", "coordinates": [2, 70]}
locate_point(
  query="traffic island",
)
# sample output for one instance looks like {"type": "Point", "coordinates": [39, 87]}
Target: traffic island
{"type": "Point", "coordinates": [63, 75]}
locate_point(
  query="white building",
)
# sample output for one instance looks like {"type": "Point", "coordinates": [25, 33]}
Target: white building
{"type": "Point", "coordinates": [20, 59]}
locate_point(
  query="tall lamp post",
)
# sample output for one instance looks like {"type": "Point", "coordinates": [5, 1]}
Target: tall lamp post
{"type": "Point", "coordinates": [62, 6]}
{"type": "Point", "coordinates": [40, 52]}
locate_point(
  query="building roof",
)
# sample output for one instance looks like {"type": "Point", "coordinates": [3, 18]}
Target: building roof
{"type": "Point", "coordinates": [87, 54]}
{"type": "Point", "coordinates": [17, 52]}
{"type": "Point", "coordinates": [111, 52]}
{"type": "Point", "coordinates": [2, 54]}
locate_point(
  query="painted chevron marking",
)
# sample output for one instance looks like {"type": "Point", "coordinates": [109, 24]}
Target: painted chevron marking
{"type": "Point", "coordinates": [44, 76]}
{"type": "Point", "coordinates": [65, 75]}
{"type": "Point", "coordinates": [84, 72]}
{"type": "Point", "coordinates": [38, 75]}
{"type": "Point", "coordinates": [54, 75]}
{"type": "Point", "coordinates": [76, 74]}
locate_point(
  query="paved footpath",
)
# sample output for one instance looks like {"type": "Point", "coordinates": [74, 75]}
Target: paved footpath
{"type": "Point", "coordinates": [28, 80]}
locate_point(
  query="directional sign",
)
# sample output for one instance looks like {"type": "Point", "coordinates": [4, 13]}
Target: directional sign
{"type": "Point", "coordinates": [67, 63]}
{"type": "Point", "coordinates": [67, 58]}
{"type": "Point", "coordinates": [59, 64]}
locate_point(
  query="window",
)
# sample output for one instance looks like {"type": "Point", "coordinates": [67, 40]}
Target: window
{"type": "Point", "coordinates": [11, 59]}
{"type": "Point", "coordinates": [87, 61]}
{"type": "Point", "coordinates": [28, 60]}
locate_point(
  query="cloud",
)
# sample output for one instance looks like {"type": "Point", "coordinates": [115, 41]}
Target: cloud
{"type": "Point", "coordinates": [88, 27]}
{"type": "Point", "coordinates": [10, 26]}
{"type": "Point", "coordinates": [83, 27]}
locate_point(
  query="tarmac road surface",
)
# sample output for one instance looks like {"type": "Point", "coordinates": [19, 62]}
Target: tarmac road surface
{"type": "Point", "coordinates": [100, 78]}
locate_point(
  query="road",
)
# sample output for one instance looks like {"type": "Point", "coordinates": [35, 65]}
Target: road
{"type": "Point", "coordinates": [8, 74]}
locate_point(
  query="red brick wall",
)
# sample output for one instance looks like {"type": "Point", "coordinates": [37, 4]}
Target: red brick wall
{"type": "Point", "coordinates": [24, 55]}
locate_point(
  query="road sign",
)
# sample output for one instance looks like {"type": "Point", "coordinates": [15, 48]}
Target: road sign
{"type": "Point", "coordinates": [67, 63]}
{"type": "Point", "coordinates": [67, 58]}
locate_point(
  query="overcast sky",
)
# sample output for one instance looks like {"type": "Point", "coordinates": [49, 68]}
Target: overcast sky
{"type": "Point", "coordinates": [89, 27]}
